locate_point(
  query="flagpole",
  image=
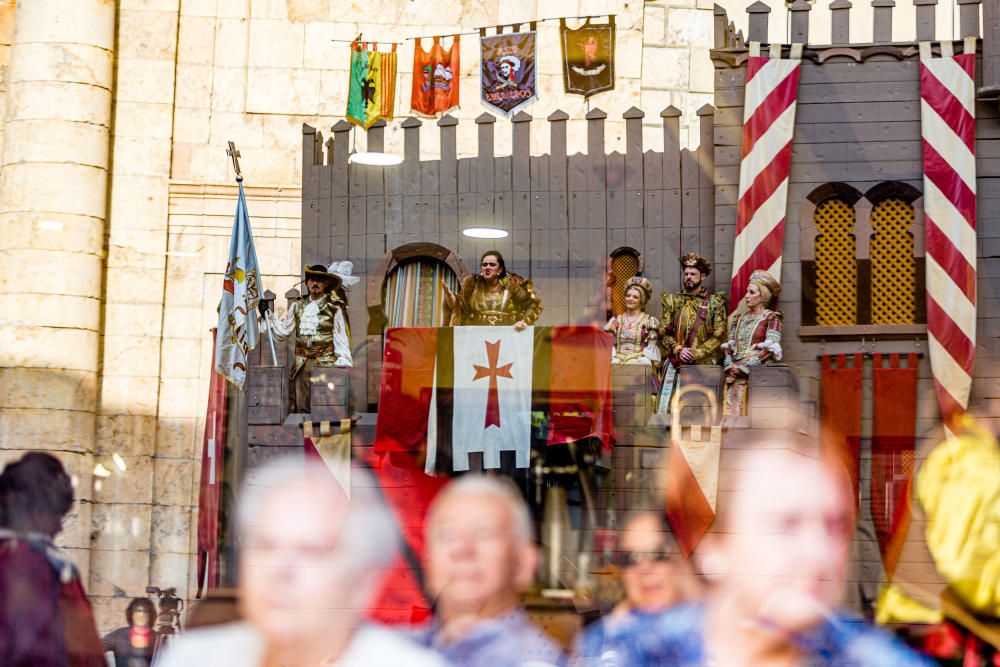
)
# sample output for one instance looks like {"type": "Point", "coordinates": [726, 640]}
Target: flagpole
{"type": "Point", "coordinates": [234, 154]}
{"type": "Point", "coordinates": [270, 336]}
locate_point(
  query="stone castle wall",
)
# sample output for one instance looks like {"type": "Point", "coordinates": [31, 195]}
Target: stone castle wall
{"type": "Point", "coordinates": [183, 78]}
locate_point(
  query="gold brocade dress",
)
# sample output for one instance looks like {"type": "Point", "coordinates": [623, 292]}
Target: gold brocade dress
{"type": "Point", "coordinates": [517, 301]}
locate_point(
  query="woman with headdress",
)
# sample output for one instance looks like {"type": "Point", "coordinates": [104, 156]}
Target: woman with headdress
{"type": "Point", "coordinates": [636, 339]}
{"type": "Point", "coordinates": [754, 338]}
{"type": "Point", "coordinates": [494, 297]}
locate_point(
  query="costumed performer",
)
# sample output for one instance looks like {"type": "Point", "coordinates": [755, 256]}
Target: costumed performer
{"type": "Point", "coordinates": [754, 339]}
{"type": "Point", "coordinates": [322, 331]}
{"type": "Point", "coordinates": [693, 326]}
{"type": "Point", "coordinates": [635, 330]}
{"type": "Point", "coordinates": [494, 297]}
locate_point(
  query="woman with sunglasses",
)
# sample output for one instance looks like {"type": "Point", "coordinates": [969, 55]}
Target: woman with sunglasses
{"type": "Point", "coordinates": [655, 576]}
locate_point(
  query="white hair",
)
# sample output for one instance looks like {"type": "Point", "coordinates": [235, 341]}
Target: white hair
{"type": "Point", "coordinates": [368, 532]}
{"type": "Point", "coordinates": [500, 488]}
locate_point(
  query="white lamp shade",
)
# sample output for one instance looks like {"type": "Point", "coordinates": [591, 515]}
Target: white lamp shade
{"type": "Point", "coordinates": [375, 159]}
{"type": "Point", "coordinates": [485, 233]}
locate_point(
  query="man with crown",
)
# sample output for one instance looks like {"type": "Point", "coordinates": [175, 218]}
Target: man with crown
{"type": "Point", "coordinates": [693, 326]}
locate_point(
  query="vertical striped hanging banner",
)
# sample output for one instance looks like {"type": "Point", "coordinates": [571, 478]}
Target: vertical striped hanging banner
{"type": "Point", "coordinates": [772, 89]}
{"type": "Point", "coordinates": [948, 128]}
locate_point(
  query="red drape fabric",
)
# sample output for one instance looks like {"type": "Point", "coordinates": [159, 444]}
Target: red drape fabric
{"type": "Point", "coordinates": [840, 413]}
{"type": "Point", "coordinates": [894, 421]}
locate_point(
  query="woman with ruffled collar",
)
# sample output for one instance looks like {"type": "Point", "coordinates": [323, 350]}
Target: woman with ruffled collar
{"type": "Point", "coordinates": [754, 339]}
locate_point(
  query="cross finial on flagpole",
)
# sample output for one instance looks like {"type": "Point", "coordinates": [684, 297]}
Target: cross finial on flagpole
{"type": "Point", "coordinates": [235, 155]}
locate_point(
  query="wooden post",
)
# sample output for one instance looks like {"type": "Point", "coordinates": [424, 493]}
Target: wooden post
{"type": "Point", "coordinates": [671, 203]}
{"type": "Point", "coordinates": [799, 21]}
{"type": "Point", "coordinates": [882, 30]}
{"type": "Point", "coordinates": [411, 179]}
{"type": "Point", "coordinates": [990, 89]}
{"type": "Point", "coordinates": [706, 182]}
{"type": "Point", "coordinates": [968, 17]}
{"type": "Point", "coordinates": [520, 191]}
{"type": "Point", "coordinates": [757, 21]}
{"type": "Point", "coordinates": [558, 222]}
{"type": "Point", "coordinates": [448, 182]}
{"type": "Point", "coordinates": [925, 19]}
{"type": "Point", "coordinates": [336, 208]}
{"type": "Point", "coordinates": [840, 27]}
{"type": "Point", "coordinates": [720, 26]}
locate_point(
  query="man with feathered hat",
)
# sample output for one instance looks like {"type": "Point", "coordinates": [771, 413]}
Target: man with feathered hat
{"type": "Point", "coordinates": [693, 326]}
{"type": "Point", "coordinates": [322, 331]}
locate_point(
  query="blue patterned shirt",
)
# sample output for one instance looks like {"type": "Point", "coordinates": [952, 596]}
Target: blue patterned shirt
{"type": "Point", "coordinates": [510, 640]}
{"type": "Point", "coordinates": [675, 638]}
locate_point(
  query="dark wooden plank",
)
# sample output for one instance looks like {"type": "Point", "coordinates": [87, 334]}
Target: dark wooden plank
{"type": "Point", "coordinates": [375, 214]}
{"type": "Point", "coordinates": [521, 152]}
{"type": "Point", "coordinates": [615, 171]}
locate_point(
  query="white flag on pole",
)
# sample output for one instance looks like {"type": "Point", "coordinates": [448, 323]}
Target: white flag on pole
{"type": "Point", "coordinates": [238, 328]}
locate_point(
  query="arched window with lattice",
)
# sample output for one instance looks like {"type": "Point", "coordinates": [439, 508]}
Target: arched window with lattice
{"type": "Point", "coordinates": [894, 271]}
{"type": "Point", "coordinates": [623, 263]}
{"type": "Point", "coordinates": [836, 264]}
{"type": "Point", "coordinates": [862, 258]}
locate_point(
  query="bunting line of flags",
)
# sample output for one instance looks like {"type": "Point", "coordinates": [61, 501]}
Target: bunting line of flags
{"type": "Point", "coordinates": [508, 70]}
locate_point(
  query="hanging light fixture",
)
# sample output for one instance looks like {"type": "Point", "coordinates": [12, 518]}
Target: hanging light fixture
{"type": "Point", "coordinates": [370, 158]}
{"type": "Point", "coordinates": [485, 233]}
{"type": "Point", "coordinates": [375, 159]}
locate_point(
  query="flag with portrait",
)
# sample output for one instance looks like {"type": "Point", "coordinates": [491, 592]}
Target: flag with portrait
{"type": "Point", "coordinates": [507, 67]}
{"type": "Point", "coordinates": [588, 57]}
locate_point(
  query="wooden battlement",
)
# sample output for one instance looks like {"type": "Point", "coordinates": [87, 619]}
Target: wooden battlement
{"type": "Point", "coordinates": [731, 41]}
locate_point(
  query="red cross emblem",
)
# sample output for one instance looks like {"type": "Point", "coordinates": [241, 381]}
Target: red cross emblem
{"type": "Point", "coordinates": [492, 372]}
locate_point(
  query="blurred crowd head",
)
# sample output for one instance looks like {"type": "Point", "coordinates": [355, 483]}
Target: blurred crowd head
{"type": "Point", "coordinates": [35, 494]}
{"type": "Point", "coordinates": [654, 573]}
{"type": "Point", "coordinates": [311, 557]}
{"type": "Point", "coordinates": [479, 544]}
{"type": "Point", "coordinates": [782, 555]}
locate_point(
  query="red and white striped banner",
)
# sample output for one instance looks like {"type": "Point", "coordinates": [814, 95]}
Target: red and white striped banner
{"type": "Point", "coordinates": [772, 89]}
{"type": "Point", "coordinates": [948, 126]}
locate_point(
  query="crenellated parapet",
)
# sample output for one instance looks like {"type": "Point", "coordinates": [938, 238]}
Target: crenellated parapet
{"type": "Point", "coordinates": [732, 50]}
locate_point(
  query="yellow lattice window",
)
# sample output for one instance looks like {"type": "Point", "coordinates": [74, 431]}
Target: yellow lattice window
{"type": "Point", "coordinates": [894, 271]}
{"type": "Point", "coordinates": [624, 265]}
{"type": "Point", "coordinates": [836, 268]}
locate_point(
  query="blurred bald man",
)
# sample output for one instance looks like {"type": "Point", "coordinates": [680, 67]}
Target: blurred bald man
{"type": "Point", "coordinates": [778, 571]}
{"type": "Point", "coordinates": [479, 556]}
{"type": "Point", "coordinates": [310, 560]}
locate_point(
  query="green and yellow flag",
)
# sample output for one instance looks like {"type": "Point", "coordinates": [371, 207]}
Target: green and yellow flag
{"type": "Point", "coordinates": [372, 93]}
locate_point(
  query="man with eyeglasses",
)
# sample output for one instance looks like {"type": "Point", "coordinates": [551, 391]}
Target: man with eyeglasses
{"type": "Point", "coordinates": [655, 576]}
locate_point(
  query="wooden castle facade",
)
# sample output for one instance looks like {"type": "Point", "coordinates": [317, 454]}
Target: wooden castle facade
{"type": "Point", "coordinates": [853, 262]}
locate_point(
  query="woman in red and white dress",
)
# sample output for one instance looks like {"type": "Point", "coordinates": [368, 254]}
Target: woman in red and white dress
{"type": "Point", "coordinates": [754, 339]}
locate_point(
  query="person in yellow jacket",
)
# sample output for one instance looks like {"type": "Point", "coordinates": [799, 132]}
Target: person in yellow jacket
{"type": "Point", "coordinates": [958, 491]}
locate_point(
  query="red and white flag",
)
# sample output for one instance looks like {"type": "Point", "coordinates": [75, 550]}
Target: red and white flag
{"type": "Point", "coordinates": [491, 401]}
{"type": "Point", "coordinates": [772, 89]}
{"type": "Point", "coordinates": [468, 390]}
{"type": "Point", "coordinates": [948, 126]}
{"type": "Point", "coordinates": [330, 445]}
{"type": "Point", "coordinates": [210, 489]}
{"type": "Point", "coordinates": [692, 473]}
